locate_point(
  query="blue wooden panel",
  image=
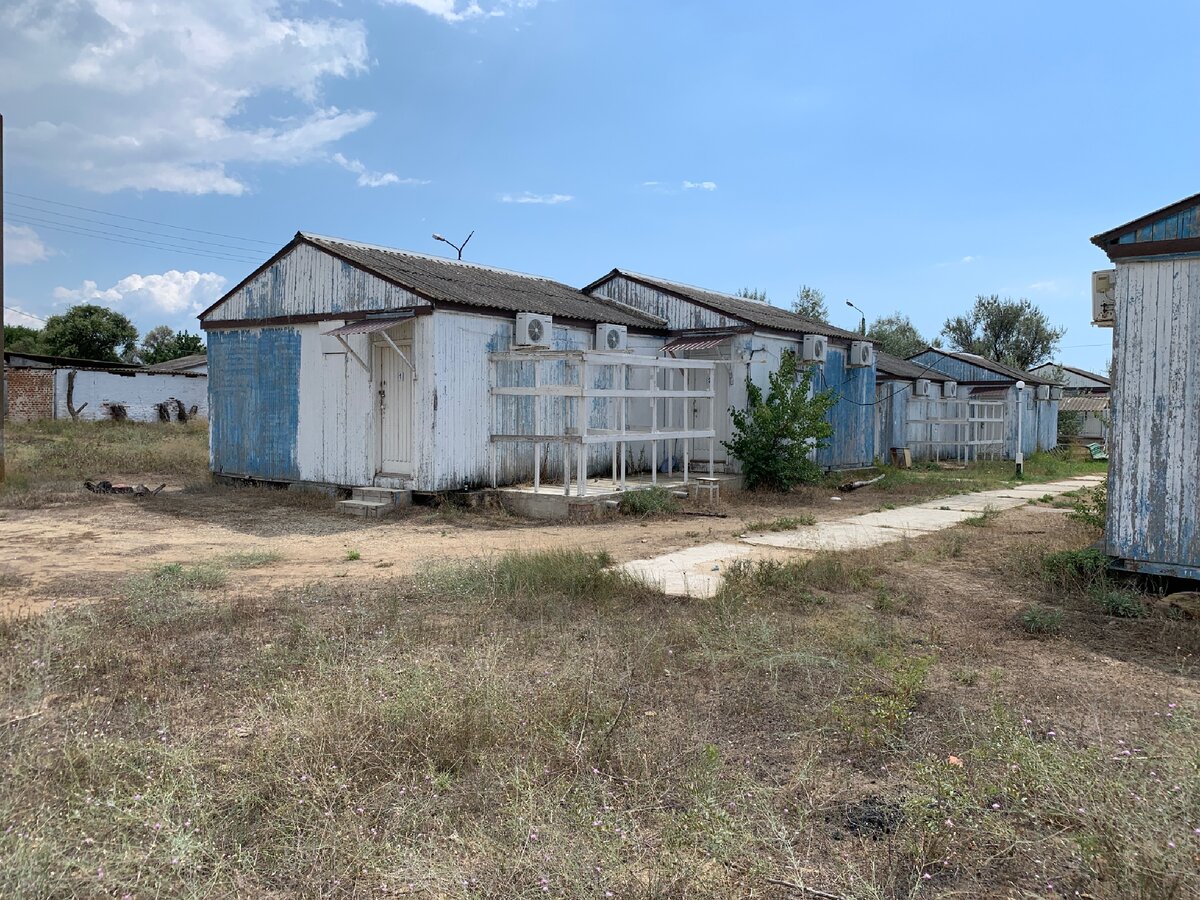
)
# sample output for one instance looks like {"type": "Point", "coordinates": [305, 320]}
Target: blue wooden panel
{"type": "Point", "coordinates": [254, 401]}
{"type": "Point", "coordinates": [1179, 225]}
{"type": "Point", "coordinates": [852, 417]}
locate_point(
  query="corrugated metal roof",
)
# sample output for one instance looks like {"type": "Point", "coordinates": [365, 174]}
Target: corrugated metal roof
{"type": "Point", "coordinates": [764, 315]}
{"type": "Point", "coordinates": [180, 363]}
{"type": "Point", "coordinates": [369, 326]}
{"type": "Point", "coordinates": [888, 366]}
{"type": "Point", "coordinates": [1092, 403]}
{"type": "Point", "coordinates": [1103, 379]}
{"type": "Point", "coordinates": [990, 364]}
{"type": "Point", "coordinates": [470, 284]}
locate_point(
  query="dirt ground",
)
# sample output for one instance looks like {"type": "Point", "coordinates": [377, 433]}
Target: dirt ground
{"type": "Point", "coordinates": [83, 548]}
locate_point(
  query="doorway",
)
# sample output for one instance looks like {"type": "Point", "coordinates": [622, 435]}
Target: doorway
{"type": "Point", "coordinates": [394, 407]}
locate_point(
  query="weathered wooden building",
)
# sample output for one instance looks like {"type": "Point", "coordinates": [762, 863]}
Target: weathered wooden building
{"type": "Point", "coordinates": [1085, 393]}
{"type": "Point", "coordinates": [745, 338]}
{"type": "Point", "coordinates": [1153, 307]}
{"type": "Point", "coordinates": [348, 364]}
{"type": "Point", "coordinates": [1031, 412]}
{"type": "Point", "coordinates": [917, 409]}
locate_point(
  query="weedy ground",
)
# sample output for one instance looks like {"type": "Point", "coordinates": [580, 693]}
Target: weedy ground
{"type": "Point", "coordinates": [873, 725]}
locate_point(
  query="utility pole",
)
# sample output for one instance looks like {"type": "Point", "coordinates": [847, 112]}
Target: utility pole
{"type": "Point", "coordinates": [3, 368]}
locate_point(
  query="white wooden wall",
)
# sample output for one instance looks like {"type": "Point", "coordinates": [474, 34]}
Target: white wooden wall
{"type": "Point", "coordinates": [139, 393]}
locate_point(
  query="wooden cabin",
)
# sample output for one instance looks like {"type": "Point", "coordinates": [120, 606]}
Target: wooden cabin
{"type": "Point", "coordinates": [1152, 303]}
{"type": "Point", "coordinates": [745, 339]}
{"type": "Point", "coordinates": [1085, 393]}
{"type": "Point", "coordinates": [982, 379]}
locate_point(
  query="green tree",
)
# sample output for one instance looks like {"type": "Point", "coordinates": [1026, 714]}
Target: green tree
{"type": "Point", "coordinates": [161, 344]}
{"type": "Point", "coordinates": [774, 436]}
{"type": "Point", "coordinates": [752, 294]}
{"type": "Point", "coordinates": [897, 335]}
{"type": "Point", "coordinates": [1009, 331]}
{"type": "Point", "coordinates": [23, 338]}
{"type": "Point", "coordinates": [87, 331]}
{"type": "Point", "coordinates": [810, 303]}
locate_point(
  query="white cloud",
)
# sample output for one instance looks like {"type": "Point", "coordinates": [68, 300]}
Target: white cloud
{"type": "Point", "coordinates": [367, 178]}
{"type": "Point", "coordinates": [699, 185]}
{"type": "Point", "coordinates": [171, 294]}
{"type": "Point", "coordinates": [527, 197]}
{"type": "Point", "coordinates": [116, 94]}
{"type": "Point", "coordinates": [23, 245]}
{"type": "Point", "coordinates": [459, 11]}
{"type": "Point", "coordinates": [964, 261]}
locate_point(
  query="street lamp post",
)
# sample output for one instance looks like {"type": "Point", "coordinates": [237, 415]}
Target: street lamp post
{"type": "Point", "coordinates": [458, 247]}
{"type": "Point", "coordinates": [1020, 455]}
{"type": "Point", "coordinates": [863, 324]}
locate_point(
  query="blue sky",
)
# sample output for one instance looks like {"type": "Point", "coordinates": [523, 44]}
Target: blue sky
{"type": "Point", "coordinates": [904, 156]}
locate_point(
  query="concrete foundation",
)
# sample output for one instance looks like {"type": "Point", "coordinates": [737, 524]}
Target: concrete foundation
{"type": "Point", "coordinates": [603, 495]}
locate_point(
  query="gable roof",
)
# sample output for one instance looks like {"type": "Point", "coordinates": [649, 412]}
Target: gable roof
{"type": "Point", "coordinates": [452, 282]}
{"type": "Point", "coordinates": [983, 362]}
{"type": "Point", "coordinates": [1084, 373]}
{"type": "Point", "coordinates": [889, 367]}
{"type": "Point", "coordinates": [763, 315]}
{"type": "Point", "coordinates": [16, 358]}
{"type": "Point", "coordinates": [1174, 228]}
{"type": "Point", "coordinates": [180, 363]}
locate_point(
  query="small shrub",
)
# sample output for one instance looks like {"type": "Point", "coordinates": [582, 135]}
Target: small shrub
{"type": "Point", "coordinates": [644, 504]}
{"type": "Point", "coordinates": [879, 709]}
{"type": "Point", "coordinates": [1092, 507]}
{"type": "Point", "coordinates": [1074, 569]}
{"type": "Point", "coordinates": [1118, 602]}
{"type": "Point", "coordinates": [984, 519]}
{"type": "Point", "coordinates": [353, 555]}
{"type": "Point", "coordinates": [774, 436]}
{"type": "Point", "coordinates": [252, 559]}
{"type": "Point", "coordinates": [955, 544]}
{"type": "Point", "coordinates": [783, 523]}
{"type": "Point", "coordinates": [1039, 619]}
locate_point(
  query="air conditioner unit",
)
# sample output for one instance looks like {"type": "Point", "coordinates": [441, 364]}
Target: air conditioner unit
{"type": "Point", "coordinates": [1056, 393]}
{"type": "Point", "coordinates": [950, 390]}
{"type": "Point", "coordinates": [862, 354]}
{"type": "Point", "coordinates": [533, 330]}
{"type": "Point", "coordinates": [921, 387]}
{"type": "Point", "coordinates": [611, 337]}
{"type": "Point", "coordinates": [1043, 392]}
{"type": "Point", "coordinates": [1104, 297]}
{"type": "Point", "coordinates": [815, 348]}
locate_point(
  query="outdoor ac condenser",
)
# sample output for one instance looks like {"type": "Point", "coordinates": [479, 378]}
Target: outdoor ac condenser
{"type": "Point", "coordinates": [533, 330]}
{"type": "Point", "coordinates": [1043, 392]}
{"type": "Point", "coordinates": [611, 337]}
{"type": "Point", "coordinates": [815, 348]}
{"type": "Point", "coordinates": [950, 390]}
{"type": "Point", "coordinates": [862, 354]}
{"type": "Point", "coordinates": [921, 387]}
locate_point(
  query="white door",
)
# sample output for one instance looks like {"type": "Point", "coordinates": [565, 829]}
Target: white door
{"type": "Point", "coordinates": [393, 408]}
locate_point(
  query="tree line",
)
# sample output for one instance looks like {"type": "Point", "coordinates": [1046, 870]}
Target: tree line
{"type": "Point", "coordinates": [1015, 332]}
{"type": "Point", "coordinates": [88, 331]}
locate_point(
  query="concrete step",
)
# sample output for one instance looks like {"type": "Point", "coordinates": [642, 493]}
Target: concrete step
{"type": "Point", "coordinates": [392, 496]}
{"type": "Point", "coordinates": [370, 509]}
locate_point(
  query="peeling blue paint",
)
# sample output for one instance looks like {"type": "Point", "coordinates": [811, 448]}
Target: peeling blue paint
{"type": "Point", "coordinates": [254, 402]}
{"type": "Point", "coordinates": [852, 445]}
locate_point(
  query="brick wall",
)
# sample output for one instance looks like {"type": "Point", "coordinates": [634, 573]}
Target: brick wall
{"type": "Point", "coordinates": [30, 394]}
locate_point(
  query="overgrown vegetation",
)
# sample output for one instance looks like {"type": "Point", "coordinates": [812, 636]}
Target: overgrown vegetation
{"type": "Point", "coordinates": [774, 436]}
{"type": "Point", "coordinates": [1092, 506]}
{"type": "Point", "coordinates": [1038, 619]}
{"type": "Point", "coordinates": [648, 502]}
{"type": "Point", "coordinates": [783, 523]}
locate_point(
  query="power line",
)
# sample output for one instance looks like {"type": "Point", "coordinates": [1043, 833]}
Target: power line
{"type": "Point", "coordinates": [22, 312]}
{"type": "Point", "coordinates": [92, 221]}
{"type": "Point", "coordinates": [143, 221]}
{"type": "Point", "coordinates": [125, 239]}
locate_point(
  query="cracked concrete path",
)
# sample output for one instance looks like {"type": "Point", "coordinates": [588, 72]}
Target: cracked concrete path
{"type": "Point", "coordinates": [697, 571]}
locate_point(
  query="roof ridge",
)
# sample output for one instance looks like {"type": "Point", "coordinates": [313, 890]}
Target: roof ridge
{"type": "Point", "coordinates": [466, 264]}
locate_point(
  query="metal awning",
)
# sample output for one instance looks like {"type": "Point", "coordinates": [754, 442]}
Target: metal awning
{"type": "Point", "coordinates": [370, 326]}
{"type": "Point", "coordinates": [696, 342]}
{"type": "Point", "coordinates": [1094, 403]}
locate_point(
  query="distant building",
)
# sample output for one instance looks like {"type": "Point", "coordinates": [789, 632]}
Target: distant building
{"type": "Point", "coordinates": [980, 378]}
{"type": "Point", "coordinates": [1152, 303]}
{"type": "Point", "coordinates": [1085, 393]}
{"type": "Point", "coordinates": [196, 363]}
{"type": "Point", "coordinates": [38, 387]}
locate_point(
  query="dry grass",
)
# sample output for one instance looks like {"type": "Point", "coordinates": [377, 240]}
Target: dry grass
{"type": "Point", "coordinates": [539, 725]}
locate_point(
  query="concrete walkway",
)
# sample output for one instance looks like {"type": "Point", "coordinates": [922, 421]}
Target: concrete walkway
{"type": "Point", "coordinates": [697, 571]}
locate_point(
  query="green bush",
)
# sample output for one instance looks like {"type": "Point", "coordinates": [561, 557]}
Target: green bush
{"type": "Point", "coordinates": [1074, 569]}
{"type": "Point", "coordinates": [1118, 602]}
{"type": "Point", "coordinates": [774, 436]}
{"type": "Point", "coordinates": [1039, 619]}
{"type": "Point", "coordinates": [1092, 507]}
{"type": "Point", "coordinates": [653, 501]}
